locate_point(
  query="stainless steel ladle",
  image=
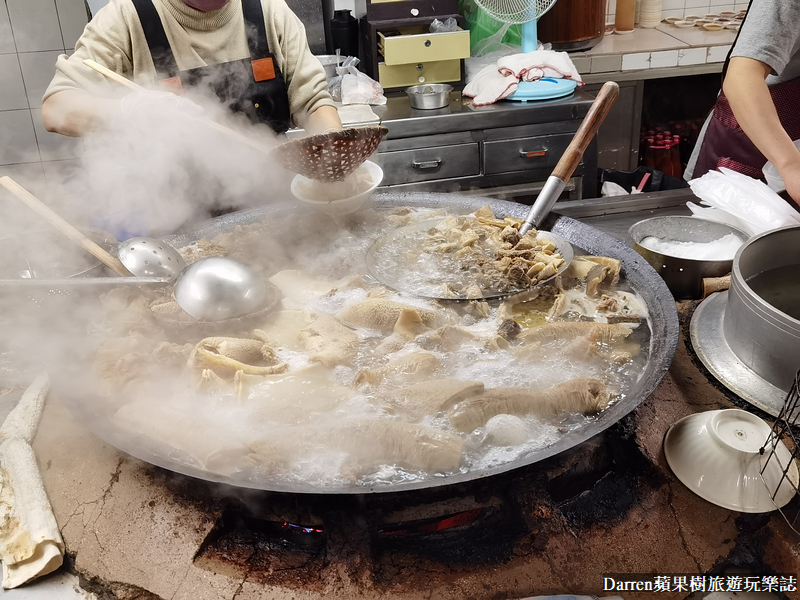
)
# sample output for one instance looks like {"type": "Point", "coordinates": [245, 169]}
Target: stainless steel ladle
{"type": "Point", "coordinates": [213, 289]}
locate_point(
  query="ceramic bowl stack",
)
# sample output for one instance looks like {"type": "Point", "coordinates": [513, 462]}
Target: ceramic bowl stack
{"type": "Point", "coordinates": [650, 13]}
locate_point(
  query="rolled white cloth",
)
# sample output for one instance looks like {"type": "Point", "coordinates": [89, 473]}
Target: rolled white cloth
{"type": "Point", "coordinates": [489, 85]}
{"type": "Point", "coordinates": [30, 542]}
{"type": "Point", "coordinates": [539, 64]}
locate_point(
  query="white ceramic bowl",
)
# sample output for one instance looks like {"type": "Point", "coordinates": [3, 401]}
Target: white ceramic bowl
{"type": "Point", "coordinates": [684, 24]}
{"type": "Point", "coordinates": [716, 455]}
{"type": "Point", "coordinates": [343, 206]}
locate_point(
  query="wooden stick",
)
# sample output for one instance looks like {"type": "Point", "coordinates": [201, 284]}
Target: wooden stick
{"type": "Point", "coordinates": [583, 137]}
{"type": "Point", "coordinates": [716, 284]}
{"type": "Point", "coordinates": [56, 221]}
{"type": "Point", "coordinates": [208, 122]}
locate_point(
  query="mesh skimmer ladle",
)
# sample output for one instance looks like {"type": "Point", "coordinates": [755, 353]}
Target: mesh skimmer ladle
{"type": "Point", "coordinates": [149, 257]}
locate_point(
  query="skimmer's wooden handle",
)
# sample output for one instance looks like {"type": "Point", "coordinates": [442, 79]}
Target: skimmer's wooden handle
{"type": "Point", "coordinates": [583, 137]}
{"type": "Point", "coordinates": [76, 236]}
{"type": "Point", "coordinates": [208, 122]}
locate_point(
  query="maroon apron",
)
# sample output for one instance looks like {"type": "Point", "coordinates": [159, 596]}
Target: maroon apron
{"type": "Point", "coordinates": [726, 145]}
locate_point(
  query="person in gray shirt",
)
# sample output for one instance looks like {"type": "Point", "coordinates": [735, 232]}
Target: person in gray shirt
{"type": "Point", "coordinates": [757, 115]}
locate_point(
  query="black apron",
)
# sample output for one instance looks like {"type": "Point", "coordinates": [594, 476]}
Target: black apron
{"type": "Point", "coordinates": [254, 85]}
{"type": "Point", "coordinates": [726, 145]}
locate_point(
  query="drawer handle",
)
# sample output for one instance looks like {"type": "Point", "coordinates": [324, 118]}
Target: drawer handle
{"type": "Point", "coordinates": [532, 153]}
{"type": "Point", "coordinates": [426, 164]}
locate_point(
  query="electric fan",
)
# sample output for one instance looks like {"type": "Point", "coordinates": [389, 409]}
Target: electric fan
{"type": "Point", "coordinates": [527, 13]}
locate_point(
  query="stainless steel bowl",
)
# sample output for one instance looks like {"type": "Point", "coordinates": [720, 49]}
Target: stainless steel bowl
{"type": "Point", "coordinates": [683, 276]}
{"type": "Point", "coordinates": [429, 96]}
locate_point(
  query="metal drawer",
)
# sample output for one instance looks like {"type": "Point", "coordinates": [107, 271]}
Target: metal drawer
{"type": "Point", "coordinates": [425, 164]}
{"type": "Point", "coordinates": [523, 154]}
{"type": "Point", "coordinates": [441, 71]}
{"type": "Point", "coordinates": [423, 47]}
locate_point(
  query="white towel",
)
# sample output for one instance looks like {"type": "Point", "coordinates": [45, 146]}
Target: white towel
{"type": "Point", "coordinates": [539, 64]}
{"type": "Point", "coordinates": [489, 86]}
{"type": "Point", "coordinates": [30, 542]}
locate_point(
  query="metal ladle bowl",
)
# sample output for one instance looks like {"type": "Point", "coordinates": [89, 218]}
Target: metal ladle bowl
{"type": "Point", "coordinates": [216, 288]}
{"type": "Point", "coordinates": [149, 257]}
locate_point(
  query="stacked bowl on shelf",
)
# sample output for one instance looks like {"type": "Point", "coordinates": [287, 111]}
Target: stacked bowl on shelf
{"type": "Point", "coordinates": [710, 22]}
{"type": "Point", "coordinates": [649, 13]}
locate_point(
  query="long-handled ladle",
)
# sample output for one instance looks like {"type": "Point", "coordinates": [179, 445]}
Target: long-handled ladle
{"type": "Point", "coordinates": [32, 202]}
{"type": "Point", "coordinates": [213, 289]}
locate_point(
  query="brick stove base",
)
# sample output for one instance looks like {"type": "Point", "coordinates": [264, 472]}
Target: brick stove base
{"type": "Point", "coordinates": [611, 505]}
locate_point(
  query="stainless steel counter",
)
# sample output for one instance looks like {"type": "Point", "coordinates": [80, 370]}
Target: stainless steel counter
{"type": "Point", "coordinates": [615, 215]}
{"type": "Point", "coordinates": [404, 121]}
{"type": "Point", "coordinates": [505, 150]}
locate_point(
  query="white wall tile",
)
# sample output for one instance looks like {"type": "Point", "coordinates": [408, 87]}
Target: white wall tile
{"type": "Point", "coordinates": [692, 56]}
{"type": "Point", "coordinates": [697, 4]}
{"type": "Point", "coordinates": [38, 69]}
{"type": "Point", "coordinates": [718, 53]}
{"type": "Point", "coordinates": [12, 90]}
{"type": "Point", "coordinates": [672, 13]}
{"type": "Point", "coordinates": [72, 17]}
{"type": "Point", "coordinates": [31, 177]}
{"type": "Point", "coordinates": [17, 139]}
{"type": "Point", "coordinates": [6, 37]}
{"type": "Point", "coordinates": [35, 25]}
{"type": "Point", "coordinates": [639, 60]}
{"type": "Point", "coordinates": [667, 58]}
{"type": "Point", "coordinates": [672, 4]}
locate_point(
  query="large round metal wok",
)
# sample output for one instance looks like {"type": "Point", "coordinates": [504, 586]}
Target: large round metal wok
{"type": "Point", "coordinates": [638, 273]}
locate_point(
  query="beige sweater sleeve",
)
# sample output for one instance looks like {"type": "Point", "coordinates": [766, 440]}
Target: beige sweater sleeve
{"type": "Point", "coordinates": [114, 38]}
{"type": "Point", "coordinates": [304, 75]}
{"type": "Point", "coordinates": [107, 40]}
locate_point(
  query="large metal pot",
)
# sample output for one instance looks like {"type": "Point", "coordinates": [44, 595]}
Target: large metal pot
{"type": "Point", "coordinates": [639, 275]}
{"type": "Point", "coordinates": [765, 339]}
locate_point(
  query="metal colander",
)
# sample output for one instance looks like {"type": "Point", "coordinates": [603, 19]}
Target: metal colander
{"type": "Point", "coordinates": [330, 156]}
{"type": "Point", "coordinates": [515, 11]}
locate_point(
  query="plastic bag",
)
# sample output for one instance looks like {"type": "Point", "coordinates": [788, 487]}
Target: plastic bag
{"type": "Point", "coordinates": [335, 83]}
{"type": "Point", "coordinates": [360, 88]}
{"type": "Point", "coordinates": [446, 26]}
{"type": "Point", "coordinates": [754, 206]}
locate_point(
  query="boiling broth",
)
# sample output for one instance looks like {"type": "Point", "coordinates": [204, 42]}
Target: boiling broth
{"type": "Point", "coordinates": [780, 288]}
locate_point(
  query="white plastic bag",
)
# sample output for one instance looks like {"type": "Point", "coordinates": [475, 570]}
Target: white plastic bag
{"type": "Point", "coordinates": [756, 207]}
{"type": "Point", "coordinates": [360, 88]}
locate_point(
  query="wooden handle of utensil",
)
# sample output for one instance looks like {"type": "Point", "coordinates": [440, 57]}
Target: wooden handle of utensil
{"type": "Point", "coordinates": [76, 236]}
{"type": "Point", "coordinates": [716, 284]}
{"type": "Point", "coordinates": [208, 122]}
{"type": "Point", "coordinates": [598, 112]}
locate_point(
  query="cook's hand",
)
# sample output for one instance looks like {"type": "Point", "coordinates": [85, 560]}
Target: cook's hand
{"type": "Point", "coordinates": [144, 104]}
{"type": "Point", "coordinates": [791, 179]}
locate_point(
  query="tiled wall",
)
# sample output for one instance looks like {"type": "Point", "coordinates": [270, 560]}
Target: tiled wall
{"type": "Point", "coordinates": [32, 35]}
{"type": "Point", "coordinates": [680, 8]}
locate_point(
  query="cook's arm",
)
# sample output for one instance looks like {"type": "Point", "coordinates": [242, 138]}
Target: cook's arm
{"type": "Point", "coordinates": [750, 100]}
{"type": "Point", "coordinates": [325, 118]}
{"type": "Point", "coordinates": [76, 113]}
